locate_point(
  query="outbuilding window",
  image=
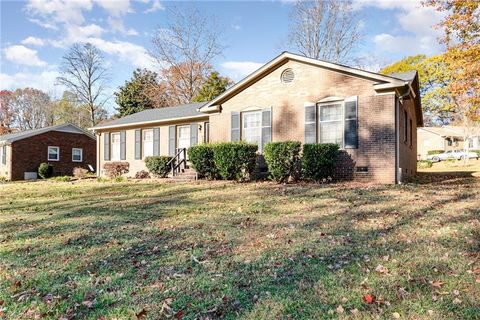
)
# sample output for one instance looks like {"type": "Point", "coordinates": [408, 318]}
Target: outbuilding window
{"type": "Point", "coordinates": [53, 153]}
{"type": "Point", "coordinates": [77, 154]}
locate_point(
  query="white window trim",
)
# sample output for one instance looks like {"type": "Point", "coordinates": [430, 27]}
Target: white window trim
{"type": "Point", "coordinates": [81, 155]}
{"type": "Point", "coordinates": [48, 153]}
{"type": "Point", "coordinates": [336, 100]}
{"type": "Point", "coordinates": [143, 141]}
{"type": "Point", "coordinates": [242, 122]}
{"type": "Point", "coordinates": [112, 158]}
{"type": "Point", "coordinates": [342, 119]}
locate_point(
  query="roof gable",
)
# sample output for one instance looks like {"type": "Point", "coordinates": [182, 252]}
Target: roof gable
{"type": "Point", "coordinates": [66, 127]}
{"type": "Point", "coordinates": [384, 80]}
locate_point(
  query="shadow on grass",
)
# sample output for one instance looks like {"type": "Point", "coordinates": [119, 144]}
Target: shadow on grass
{"type": "Point", "coordinates": [194, 254]}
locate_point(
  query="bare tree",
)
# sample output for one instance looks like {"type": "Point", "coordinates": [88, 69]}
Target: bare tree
{"type": "Point", "coordinates": [185, 51]}
{"type": "Point", "coordinates": [327, 30]}
{"type": "Point", "coordinates": [84, 74]}
{"type": "Point", "coordinates": [32, 109]}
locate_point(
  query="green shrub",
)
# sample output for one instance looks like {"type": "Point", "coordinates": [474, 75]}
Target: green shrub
{"type": "Point", "coordinates": [423, 164]}
{"type": "Point", "coordinates": [201, 157]}
{"type": "Point", "coordinates": [45, 170]}
{"type": "Point", "coordinates": [62, 178]}
{"type": "Point", "coordinates": [282, 159]}
{"type": "Point", "coordinates": [235, 160]}
{"type": "Point", "coordinates": [318, 161]}
{"type": "Point", "coordinates": [157, 165]}
{"type": "Point", "coordinates": [476, 151]}
{"type": "Point", "coordinates": [430, 152]}
{"type": "Point", "coordinates": [116, 168]}
{"type": "Point", "coordinates": [119, 179]}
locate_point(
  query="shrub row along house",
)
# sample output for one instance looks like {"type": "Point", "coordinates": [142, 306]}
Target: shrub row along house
{"type": "Point", "coordinates": [372, 117]}
{"type": "Point", "coordinates": [64, 146]}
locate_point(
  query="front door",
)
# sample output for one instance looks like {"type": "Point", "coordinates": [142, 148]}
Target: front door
{"type": "Point", "coordinates": [183, 137]}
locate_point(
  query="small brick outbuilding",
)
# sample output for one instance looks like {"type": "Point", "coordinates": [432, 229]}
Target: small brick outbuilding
{"type": "Point", "coordinates": [64, 146]}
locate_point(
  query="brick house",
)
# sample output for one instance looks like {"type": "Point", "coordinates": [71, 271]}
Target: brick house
{"type": "Point", "coordinates": [64, 146]}
{"type": "Point", "coordinates": [372, 117]}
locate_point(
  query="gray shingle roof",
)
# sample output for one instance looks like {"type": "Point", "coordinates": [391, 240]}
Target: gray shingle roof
{"type": "Point", "coordinates": [152, 115]}
{"type": "Point", "coordinates": [66, 127]}
{"type": "Point", "coordinates": [407, 76]}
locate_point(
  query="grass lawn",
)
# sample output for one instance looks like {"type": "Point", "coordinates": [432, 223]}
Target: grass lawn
{"type": "Point", "coordinates": [210, 250]}
{"type": "Point", "coordinates": [455, 166]}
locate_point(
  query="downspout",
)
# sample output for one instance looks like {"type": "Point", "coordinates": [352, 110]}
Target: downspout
{"type": "Point", "coordinates": [98, 153]}
{"type": "Point", "coordinates": [397, 138]}
{"type": "Point", "coordinates": [397, 141]}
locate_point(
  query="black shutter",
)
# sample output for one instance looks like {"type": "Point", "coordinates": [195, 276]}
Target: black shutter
{"type": "Point", "coordinates": [122, 145]}
{"type": "Point", "coordinates": [156, 141]}
{"type": "Point", "coordinates": [266, 127]}
{"type": "Point", "coordinates": [310, 123]}
{"type": "Point", "coordinates": [193, 134]}
{"type": "Point", "coordinates": [172, 139]}
{"type": "Point", "coordinates": [106, 146]}
{"type": "Point", "coordinates": [351, 123]}
{"type": "Point", "coordinates": [235, 127]}
{"type": "Point", "coordinates": [138, 144]}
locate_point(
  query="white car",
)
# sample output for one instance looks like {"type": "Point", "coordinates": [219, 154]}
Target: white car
{"type": "Point", "coordinates": [452, 154]}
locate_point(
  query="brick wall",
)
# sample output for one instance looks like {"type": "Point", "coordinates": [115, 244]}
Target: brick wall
{"type": "Point", "coordinates": [28, 153]}
{"type": "Point", "coordinates": [407, 145]}
{"type": "Point", "coordinates": [376, 114]}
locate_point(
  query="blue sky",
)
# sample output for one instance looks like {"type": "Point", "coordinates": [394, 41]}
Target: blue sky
{"type": "Point", "coordinates": [35, 34]}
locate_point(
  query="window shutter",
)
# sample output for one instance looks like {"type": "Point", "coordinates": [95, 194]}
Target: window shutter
{"type": "Point", "coordinates": [171, 140]}
{"type": "Point", "coordinates": [351, 123]}
{"type": "Point", "coordinates": [266, 127]}
{"type": "Point", "coordinates": [4, 155]}
{"type": "Point", "coordinates": [106, 146]}
{"type": "Point", "coordinates": [156, 141]}
{"type": "Point", "coordinates": [193, 134]}
{"type": "Point", "coordinates": [235, 127]}
{"type": "Point", "coordinates": [310, 123]}
{"type": "Point", "coordinates": [138, 144]}
{"type": "Point", "coordinates": [122, 146]}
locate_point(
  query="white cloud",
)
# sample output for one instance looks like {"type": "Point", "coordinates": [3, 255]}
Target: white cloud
{"type": "Point", "coordinates": [239, 69]}
{"type": "Point", "coordinates": [401, 44]}
{"type": "Point", "coordinates": [115, 8]}
{"type": "Point", "coordinates": [156, 5]}
{"type": "Point", "coordinates": [43, 80]}
{"type": "Point", "coordinates": [23, 56]}
{"type": "Point", "coordinates": [116, 25]}
{"type": "Point", "coordinates": [58, 11]}
{"type": "Point", "coordinates": [126, 51]}
{"type": "Point", "coordinates": [33, 41]}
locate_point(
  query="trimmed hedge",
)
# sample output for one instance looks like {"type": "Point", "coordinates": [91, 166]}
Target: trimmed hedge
{"type": "Point", "coordinates": [201, 157]}
{"type": "Point", "coordinates": [423, 164]}
{"type": "Point", "coordinates": [318, 161]}
{"type": "Point", "coordinates": [282, 159]}
{"type": "Point", "coordinates": [45, 170]}
{"type": "Point", "coordinates": [157, 165]}
{"type": "Point", "coordinates": [116, 168]}
{"type": "Point", "coordinates": [430, 152]}
{"type": "Point", "coordinates": [235, 160]}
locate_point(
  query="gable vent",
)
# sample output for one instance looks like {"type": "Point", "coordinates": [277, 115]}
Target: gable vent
{"type": "Point", "coordinates": [287, 75]}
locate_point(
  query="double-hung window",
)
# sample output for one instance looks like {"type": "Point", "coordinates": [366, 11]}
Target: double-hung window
{"type": "Point", "coordinates": [148, 142]}
{"type": "Point", "coordinates": [252, 127]}
{"type": "Point", "coordinates": [77, 154]}
{"type": "Point", "coordinates": [53, 154]}
{"type": "Point", "coordinates": [331, 123]}
{"type": "Point", "coordinates": [115, 152]}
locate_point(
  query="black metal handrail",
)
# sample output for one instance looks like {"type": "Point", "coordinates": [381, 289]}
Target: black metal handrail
{"type": "Point", "coordinates": [177, 161]}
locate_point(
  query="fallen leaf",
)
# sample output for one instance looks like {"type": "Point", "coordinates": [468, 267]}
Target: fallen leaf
{"type": "Point", "coordinates": [340, 309]}
{"type": "Point", "coordinates": [437, 284]}
{"type": "Point", "coordinates": [381, 269]}
{"type": "Point", "coordinates": [142, 314]}
{"type": "Point", "coordinates": [368, 298]}
{"type": "Point", "coordinates": [178, 314]}
{"type": "Point", "coordinates": [457, 301]}
{"type": "Point", "coordinates": [396, 315]}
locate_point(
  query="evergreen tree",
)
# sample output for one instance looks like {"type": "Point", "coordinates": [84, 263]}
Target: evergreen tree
{"type": "Point", "coordinates": [213, 86]}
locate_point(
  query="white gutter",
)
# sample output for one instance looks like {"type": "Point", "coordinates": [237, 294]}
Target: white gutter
{"type": "Point", "coordinates": [398, 177]}
{"type": "Point", "coordinates": [147, 122]}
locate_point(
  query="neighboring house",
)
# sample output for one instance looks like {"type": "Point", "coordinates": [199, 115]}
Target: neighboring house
{"type": "Point", "coordinates": [372, 117]}
{"type": "Point", "coordinates": [444, 138]}
{"type": "Point", "coordinates": [64, 146]}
